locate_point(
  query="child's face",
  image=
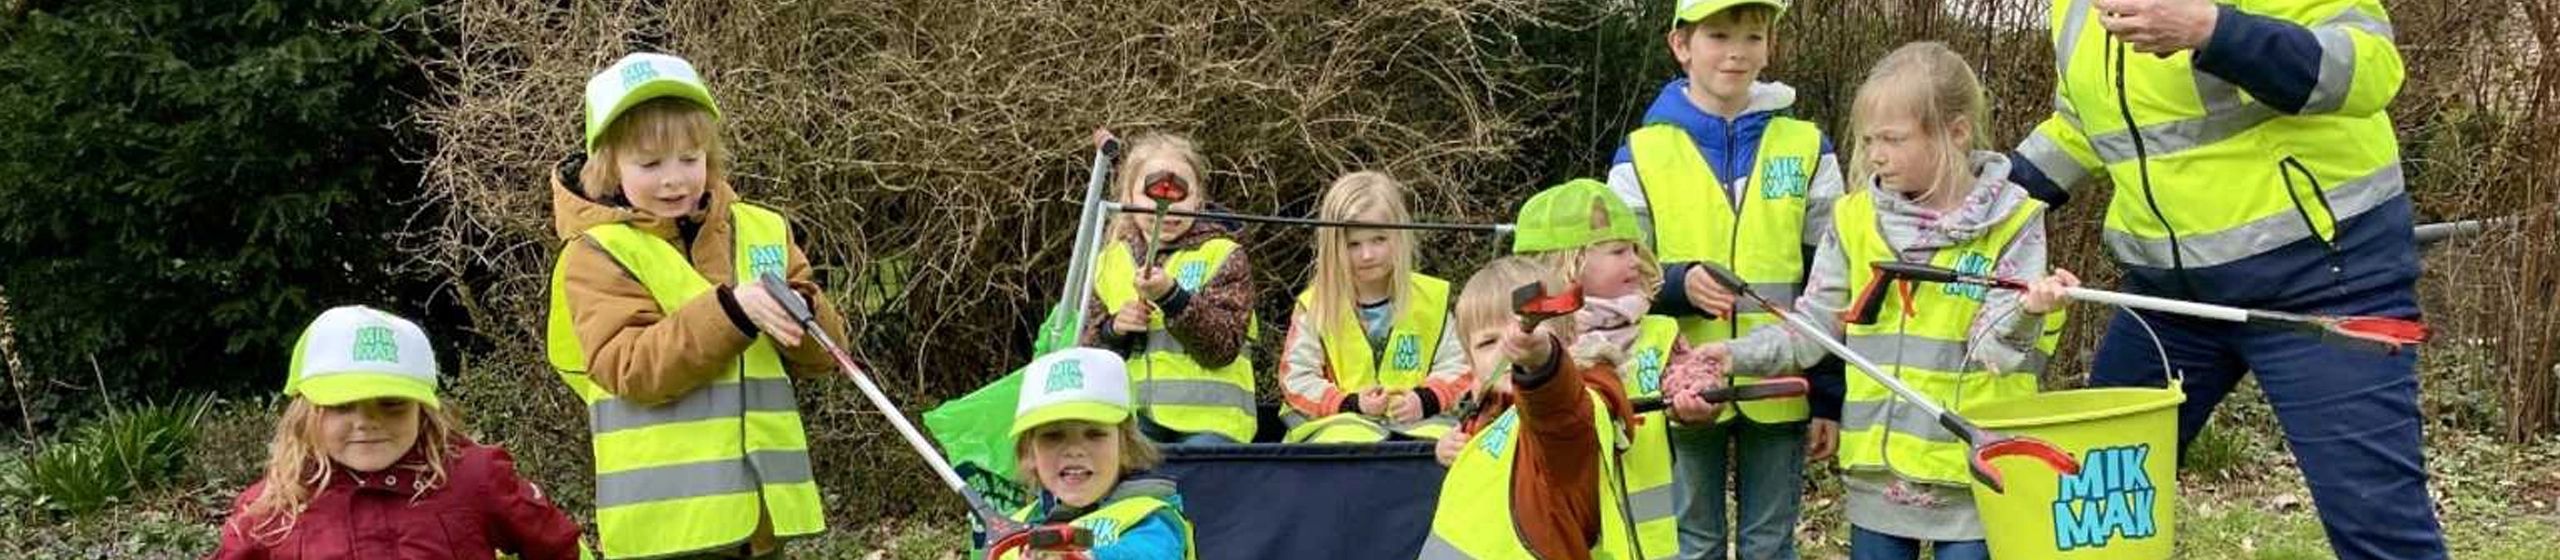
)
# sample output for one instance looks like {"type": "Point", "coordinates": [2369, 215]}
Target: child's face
{"type": "Point", "coordinates": [371, 434]}
{"type": "Point", "coordinates": [663, 183]}
{"type": "Point", "coordinates": [1372, 252]}
{"type": "Point", "coordinates": [1484, 352]}
{"type": "Point", "coordinates": [1905, 159]}
{"type": "Point", "coordinates": [1077, 461]}
{"type": "Point", "coordinates": [1611, 269]}
{"type": "Point", "coordinates": [1141, 208]}
{"type": "Point", "coordinates": [1722, 54]}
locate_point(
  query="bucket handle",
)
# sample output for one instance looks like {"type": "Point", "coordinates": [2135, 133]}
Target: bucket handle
{"type": "Point", "coordinates": [2168, 372]}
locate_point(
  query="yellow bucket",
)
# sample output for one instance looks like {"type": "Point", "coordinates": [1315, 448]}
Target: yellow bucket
{"type": "Point", "coordinates": [2122, 503]}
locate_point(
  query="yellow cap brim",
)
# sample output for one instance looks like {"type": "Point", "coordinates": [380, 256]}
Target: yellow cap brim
{"type": "Point", "coordinates": [1704, 9]}
{"type": "Point", "coordinates": [653, 89]}
{"type": "Point", "coordinates": [1098, 413]}
{"type": "Point", "coordinates": [343, 388]}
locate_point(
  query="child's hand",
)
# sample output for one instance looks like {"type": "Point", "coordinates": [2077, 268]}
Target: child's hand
{"type": "Point", "coordinates": [767, 313]}
{"type": "Point", "coordinates": [1701, 368]}
{"type": "Point", "coordinates": [1821, 439]}
{"type": "Point", "coordinates": [1154, 283]}
{"type": "Point", "coordinates": [1133, 317]}
{"type": "Point", "coordinates": [1373, 401]}
{"type": "Point", "coordinates": [2045, 295]}
{"type": "Point", "coordinates": [1705, 294]}
{"type": "Point", "coordinates": [1450, 444]}
{"type": "Point", "coordinates": [1402, 406]}
{"type": "Point", "coordinates": [1529, 350]}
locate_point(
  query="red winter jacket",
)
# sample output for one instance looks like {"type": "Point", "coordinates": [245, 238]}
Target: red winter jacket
{"type": "Point", "coordinates": [482, 509]}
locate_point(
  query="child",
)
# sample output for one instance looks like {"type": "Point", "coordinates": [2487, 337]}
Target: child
{"type": "Point", "coordinates": [1581, 229]}
{"type": "Point", "coordinates": [1533, 473]}
{"type": "Point", "coordinates": [1186, 312]}
{"type": "Point", "coordinates": [1371, 351]}
{"type": "Point", "coordinates": [1721, 176]}
{"type": "Point", "coordinates": [1926, 199]}
{"type": "Point", "coordinates": [368, 463]}
{"type": "Point", "coordinates": [658, 321]}
{"type": "Point", "coordinates": [1075, 440]}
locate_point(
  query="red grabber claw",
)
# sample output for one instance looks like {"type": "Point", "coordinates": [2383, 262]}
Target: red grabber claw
{"type": "Point", "coordinates": [2006, 446]}
{"type": "Point", "coordinates": [1534, 305]}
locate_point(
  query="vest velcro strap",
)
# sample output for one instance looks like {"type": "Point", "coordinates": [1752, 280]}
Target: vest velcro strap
{"type": "Point", "coordinates": [708, 478]}
{"type": "Point", "coordinates": [718, 400]}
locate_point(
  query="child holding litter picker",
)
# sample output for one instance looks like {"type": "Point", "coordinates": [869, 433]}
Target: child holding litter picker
{"type": "Point", "coordinates": [658, 322]}
{"type": "Point", "coordinates": [1371, 353]}
{"type": "Point", "coordinates": [1927, 193]}
{"type": "Point", "coordinates": [1533, 471]}
{"type": "Point", "coordinates": [1179, 293]}
{"type": "Point", "coordinates": [368, 463]}
{"type": "Point", "coordinates": [1076, 441]}
{"type": "Point", "coordinates": [1580, 228]}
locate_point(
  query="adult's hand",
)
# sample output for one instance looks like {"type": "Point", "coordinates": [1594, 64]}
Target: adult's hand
{"type": "Point", "coordinates": [2159, 26]}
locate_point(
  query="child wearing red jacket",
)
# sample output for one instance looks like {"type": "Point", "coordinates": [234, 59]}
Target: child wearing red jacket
{"type": "Point", "coordinates": [368, 463]}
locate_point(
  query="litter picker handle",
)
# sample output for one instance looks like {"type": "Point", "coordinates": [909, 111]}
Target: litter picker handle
{"type": "Point", "coordinates": [1870, 302]}
{"type": "Point", "coordinates": [1768, 389]}
{"type": "Point", "coordinates": [800, 311]}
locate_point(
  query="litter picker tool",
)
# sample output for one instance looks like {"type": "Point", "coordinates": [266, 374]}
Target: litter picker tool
{"type": "Point", "coordinates": [1006, 534]}
{"type": "Point", "coordinates": [2380, 334]}
{"type": "Point", "coordinates": [1535, 305]}
{"type": "Point", "coordinates": [1311, 222]}
{"type": "Point", "coordinates": [1986, 444]}
{"type": "Point", "coordinates": [1165, 188]}
{"type": "Point", "coordinates": [1769, 389]}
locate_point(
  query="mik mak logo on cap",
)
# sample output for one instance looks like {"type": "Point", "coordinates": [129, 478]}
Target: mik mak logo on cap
{"type": "Point", "coordinates": [374, 344]}
{"type": "Point", "coordinates": [1066, 375]}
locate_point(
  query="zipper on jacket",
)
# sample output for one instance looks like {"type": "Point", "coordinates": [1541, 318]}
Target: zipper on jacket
{"type": "Point", "coordinates": [2142, 164]}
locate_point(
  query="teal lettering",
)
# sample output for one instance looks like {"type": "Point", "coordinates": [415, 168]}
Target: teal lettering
{"type": "Point", "coordinates": [2074, 530]}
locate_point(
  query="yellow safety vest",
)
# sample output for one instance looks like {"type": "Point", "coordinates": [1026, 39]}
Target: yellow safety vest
{"type": "Point", "coordinates": [1648, 460]}
{"type": "Point", "coordinates": [1170, 387]}
{"type": "Point", "coordinates": [696, 473]}
{"type": "Point", "coordinates": [1927, 351]}
{"type": "Point", "coordinates": [1124, 511]}
{"type": "Point", "coordinates": [1473, 519]}
{"type": "Point", "coordinates": [2228, 177]}
{"type": "Point", "coordinates": [1762, 240]}
{"type": "Point", "coordinates": [1413, 342]}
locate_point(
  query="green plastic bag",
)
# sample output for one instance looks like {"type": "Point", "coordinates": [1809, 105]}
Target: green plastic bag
{"type": "Point", "coordinates": [974, 430]}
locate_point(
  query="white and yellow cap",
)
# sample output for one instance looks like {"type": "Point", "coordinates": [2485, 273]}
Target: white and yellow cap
{"type": "Point", "coordinates": [354, 352]}
{"type": "Point", "coordinates": [1088, 384]}
{"type": "Point", "coordinates": [641, 77]}
{"type": "Point", "coordinates": [1694, 10]}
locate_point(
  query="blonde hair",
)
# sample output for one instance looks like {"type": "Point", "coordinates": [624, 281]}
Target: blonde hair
{"type": "Point", "coordinates": [655, 126]}
{"type": "Point", "coordinates": [1932, 84]}
{"type": "Point", "coordinates": [297, 466]}
{"type": "Point", "coordinates": [1136, 453]}
{"type": "Point", "coordinates": [1351, 198]}
{"type": "Point", "coordinates": [1146, 147]}
{"type": "Point", "coordinates": [1486, 302]}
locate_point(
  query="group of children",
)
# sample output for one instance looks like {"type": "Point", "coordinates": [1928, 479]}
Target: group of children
{"type": "Point", "coordinates": [661, 325]}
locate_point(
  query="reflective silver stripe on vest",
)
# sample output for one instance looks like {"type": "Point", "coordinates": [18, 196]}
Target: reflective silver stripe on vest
{"type": "Point", "coordinates": [720, 400]}
{"type": "Point", "coordinates": [2072, 21]}
{"type": "Point", "coordinates": [1783, 294]}
{"type": "Point", "coordinates": [2357, 19]}
{"type": "Point", "coordinates": [2337, 70]}
{"type": "Point", "coordinates": [2346, 200]}
{"type": "Point", "coordinates": [1161, 340]}
{"type": "Point", "coordinates": [1929, 353]}
{"type": "Point", "coordinates": [1905, 420]}
{"type": "Point", "coordinates": [707, 478]}
{"type": "Point", "coordinates": [1436, 548]}
{"type": "Point", "coordinates": [2048, 157]}
{"type": "Point", "coordinates": [2169, 138]}
{"type": "Point", "coordinates": [1652, 504]}
{"type": "Point", "coordinates": [1193, 392]}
